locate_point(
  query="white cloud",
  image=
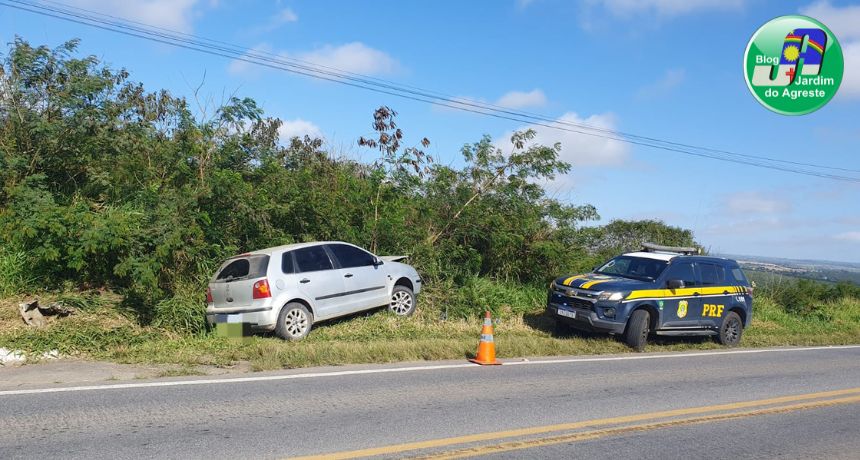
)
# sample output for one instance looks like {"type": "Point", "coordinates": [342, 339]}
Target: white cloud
{"type": "Point", "coordinates": [170, 14]}
{"type": "Point", "coordinates": [298, 128]}
{"type": "Point", "coordinates": [669, 81]}
{"type": "Point", "coordinates": [286, 15]}
{"type": "Point", "coordinates": [665, 8]}
{"type": "Point", "coordinates": [853, 237]}
{"type": "Point", "coordinates": [755, 203]}
{"type": "Point", "coordinates": [843, 21]}
{"type": "Point", "coordinates": [580, 149]}
{"type": "Point", "coordinates": [352, 57]}
{"type": "Point", "coordinates": [240, 67]}
{"type": "Point", "coordinates": [521, 100]}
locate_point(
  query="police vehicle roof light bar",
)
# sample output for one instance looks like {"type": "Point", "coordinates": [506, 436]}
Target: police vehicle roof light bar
{"type": "Point", "coordinates": [651, 247]}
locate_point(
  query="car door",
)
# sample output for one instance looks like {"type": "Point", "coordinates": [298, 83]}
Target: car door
{"type": "Point", "coordinates": [682, 308]}
{"type": "Point", "coordinates": [716, 295]}
{"type": "Point", "coordinates": [365, 280]}
{"type": "Point", "coordinates": [318, 280]}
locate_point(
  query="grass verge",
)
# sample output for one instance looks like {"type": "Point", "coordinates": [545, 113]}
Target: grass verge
{"type": "Point", "coordinates": [102, 330]}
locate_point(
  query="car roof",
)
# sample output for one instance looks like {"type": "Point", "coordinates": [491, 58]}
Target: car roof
{"type": "Point", "coordinates": [290, 247]}
{"type": "Point", "coordinates": [668, 256]}
{"type": "Point", "coordinates": [653, 255]}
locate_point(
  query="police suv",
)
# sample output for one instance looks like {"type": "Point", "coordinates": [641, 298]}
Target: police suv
{"type": "Point", "coordinates": [665, 290]}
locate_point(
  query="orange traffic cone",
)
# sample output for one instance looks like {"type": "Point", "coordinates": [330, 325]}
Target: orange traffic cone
{"type": "Point", "coordinates": [486, 346]}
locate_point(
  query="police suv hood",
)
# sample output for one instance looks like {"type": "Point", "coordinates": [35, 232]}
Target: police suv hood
{"type": "Point", "coordinates": [598, 282]}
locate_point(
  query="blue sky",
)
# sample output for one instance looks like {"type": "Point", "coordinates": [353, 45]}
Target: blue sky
{"type": "Point", "coordinates": [670, 69]}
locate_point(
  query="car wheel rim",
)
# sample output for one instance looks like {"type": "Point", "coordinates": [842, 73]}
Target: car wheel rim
{"type": "Point", "coordinates": [732, 332]}
{"type": "Point", "coordinates": [296, 322]}
{"type": "Point", "coordinates": [401, 302]}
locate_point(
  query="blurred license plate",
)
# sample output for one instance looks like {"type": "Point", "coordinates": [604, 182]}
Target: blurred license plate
{"type": "Point", "coordinates": [221, 318]}
{"type": "Point", "coordinates": [568, 313]}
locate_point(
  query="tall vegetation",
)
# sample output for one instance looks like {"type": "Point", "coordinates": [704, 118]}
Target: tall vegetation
{"type": "Point", "coordinates": [104, 184]}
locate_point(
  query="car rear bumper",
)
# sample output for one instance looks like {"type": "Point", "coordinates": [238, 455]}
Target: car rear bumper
{"type": "Point", "coordinates": [257, 317]}
{"type": "Point", "coordinates": [583, 319]}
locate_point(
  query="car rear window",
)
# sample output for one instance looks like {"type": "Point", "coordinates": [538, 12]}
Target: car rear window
{"type": "Point", "coordinates": [243, 268]}
{"type": "Point", "coordinates": [312, 259]}
{"type": "Point", "coordinates": [738, 277]}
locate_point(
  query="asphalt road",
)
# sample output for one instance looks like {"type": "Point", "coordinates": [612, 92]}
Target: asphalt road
{"type": "Point", "coordinates": [795, 403]}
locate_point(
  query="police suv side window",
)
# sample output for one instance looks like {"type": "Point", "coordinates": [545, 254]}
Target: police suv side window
{"type": "Point", "coordinates": [682, 271]}
{"type": "Point", "coordinates": [712, 274]}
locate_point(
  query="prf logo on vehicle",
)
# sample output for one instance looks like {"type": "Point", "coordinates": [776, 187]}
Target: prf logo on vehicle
{"type": "Point", "coordinates": [793, 65]}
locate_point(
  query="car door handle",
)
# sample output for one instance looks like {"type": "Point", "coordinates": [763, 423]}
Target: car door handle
{"type": "Point", "coordinates": [725, 292]}
{"type": "Point", "coordinates": [696, 294]}
{"type": "Point", "coordinates": [305, 281]}
{"type": "Point", "coordinates": [348, 275]}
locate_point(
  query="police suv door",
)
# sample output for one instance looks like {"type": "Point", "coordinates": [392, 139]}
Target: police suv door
{"type": "Point", "coordinates": [717, 297]}
{"type": "Point", "coordinates": [681, 309]}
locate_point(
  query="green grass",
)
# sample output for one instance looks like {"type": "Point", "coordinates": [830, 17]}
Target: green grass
{"type": "Point", "coordinates": [101, 330]}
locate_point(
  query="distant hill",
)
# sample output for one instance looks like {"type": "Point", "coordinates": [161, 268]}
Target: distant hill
{"type": "Point", "coordinates": [821, 270]}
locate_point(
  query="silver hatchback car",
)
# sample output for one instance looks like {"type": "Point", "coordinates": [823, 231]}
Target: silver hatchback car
{"type": "Point", "coordinates": [288, 288]}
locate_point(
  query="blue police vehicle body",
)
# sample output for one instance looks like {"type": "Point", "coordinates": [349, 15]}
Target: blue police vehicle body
{"type": "Point", "coordinates": [662, 290]}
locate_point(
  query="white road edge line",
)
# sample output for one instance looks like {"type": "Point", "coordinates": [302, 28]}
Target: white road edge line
{"type": "Point", "coordinates": [120, 386]}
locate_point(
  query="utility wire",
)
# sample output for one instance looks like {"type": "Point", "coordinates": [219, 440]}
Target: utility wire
{"type": "Point", "coordinates": [227, 50]}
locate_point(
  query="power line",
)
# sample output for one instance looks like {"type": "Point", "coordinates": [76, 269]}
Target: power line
{"type": "Point", "coordinates": [227, 50]}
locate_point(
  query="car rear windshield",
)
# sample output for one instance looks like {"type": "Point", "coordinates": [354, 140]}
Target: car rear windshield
{"type": "Point", "coordinates": [241, 268]}
{"type": "Point", "coordinates": [640, 268]}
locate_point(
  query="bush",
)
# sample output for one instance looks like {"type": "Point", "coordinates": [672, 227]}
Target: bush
{"type": "Point", "coordinates": [184, 313]}
{"type": "Point", "coordinates": [15, 275]}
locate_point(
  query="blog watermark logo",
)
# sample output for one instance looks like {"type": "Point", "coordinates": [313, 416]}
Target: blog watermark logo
{"type": "Point", "coordinates": [793, 65]}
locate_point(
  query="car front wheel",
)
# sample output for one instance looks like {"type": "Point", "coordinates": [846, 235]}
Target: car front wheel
{"type": "Point", "coordinates": [402, 301]}
{"type": "Point", "coordinates": [636, 334]}
{"type": "Point", "coordinates": [294, 322]}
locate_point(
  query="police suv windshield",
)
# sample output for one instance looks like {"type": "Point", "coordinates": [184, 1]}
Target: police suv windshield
{"type": "Point", "coordinates": [639, 268]}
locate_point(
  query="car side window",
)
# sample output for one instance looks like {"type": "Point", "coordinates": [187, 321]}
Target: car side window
{"type": "Point", "coordinates": [712, 274]}
{"type": "Point", "coordinates": [312, 259]}
{"type": "Point", "coordinates": [351, 256]}
{"type": "Point", "coordinates": [287, 265]}
{"type": "Point", "coordinates": [736, 276]}
{"type": "Point", "coordinates": [682, 271]}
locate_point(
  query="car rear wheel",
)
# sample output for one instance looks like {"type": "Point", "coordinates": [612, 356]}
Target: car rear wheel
{"type": "Point", "coordinates": [636, 334]}
{"type": "Point", "coordinates": [402, 301]}
{"type": "Point", "coordinates": [731, 330]}
{"type": "Point", "coordinates": [294, 322]}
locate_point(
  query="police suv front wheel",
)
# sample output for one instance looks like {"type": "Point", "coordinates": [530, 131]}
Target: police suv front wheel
{"type": "Point", "coordinates": [731, 330]}
{"type": "Point", "coordinates": [636, 333]}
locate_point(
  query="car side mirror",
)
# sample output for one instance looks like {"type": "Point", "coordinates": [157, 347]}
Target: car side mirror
{"type": "Point", "coordinates": [377, 261]}
{"type": "Point", "coordinates": [675, 284]}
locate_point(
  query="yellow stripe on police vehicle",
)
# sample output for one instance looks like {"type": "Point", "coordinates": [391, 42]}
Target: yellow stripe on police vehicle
{"type": "Point", "coordinates": [659, 290]}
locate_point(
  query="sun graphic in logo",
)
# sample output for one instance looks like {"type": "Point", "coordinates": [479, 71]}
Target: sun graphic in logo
{"type": "Point", "coordinates": [791, 53]}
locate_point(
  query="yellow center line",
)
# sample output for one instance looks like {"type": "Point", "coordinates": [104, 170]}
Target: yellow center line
{"type": "Point", "coordinates": [497, 435]}
{"type": "Point", "coordinates": [595, 434]}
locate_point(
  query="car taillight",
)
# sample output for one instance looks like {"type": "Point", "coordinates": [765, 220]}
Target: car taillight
{"type": "Point", "coordinates": [749, 290]}
{"type": "Point", "coordinates": [209, 295]}
{"type": "Point", "coordinates": [261, 289]}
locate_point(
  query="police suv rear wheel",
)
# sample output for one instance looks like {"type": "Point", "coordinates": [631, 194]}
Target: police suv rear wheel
{"type": "Point", "coordinates": [636, 334]}
{"type": "Point", "coordinates": [731, 330]}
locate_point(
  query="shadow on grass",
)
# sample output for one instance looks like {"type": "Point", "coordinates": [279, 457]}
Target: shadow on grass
{"type": "Point", "coordinates": [543, 323]}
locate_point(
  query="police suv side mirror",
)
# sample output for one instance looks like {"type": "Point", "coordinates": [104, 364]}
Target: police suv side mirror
{"type": "Point", "coordinates": [675, 284]}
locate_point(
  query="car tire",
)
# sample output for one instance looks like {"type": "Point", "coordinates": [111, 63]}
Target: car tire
{"type": "Point", "coordinates": [402, 302]}
{"type": "Point", "coordinates": [294, 322]}
{"type": "Point", "coordinates": [731, 330]}
{"type": "Point", "coordinates": [636, 333]}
